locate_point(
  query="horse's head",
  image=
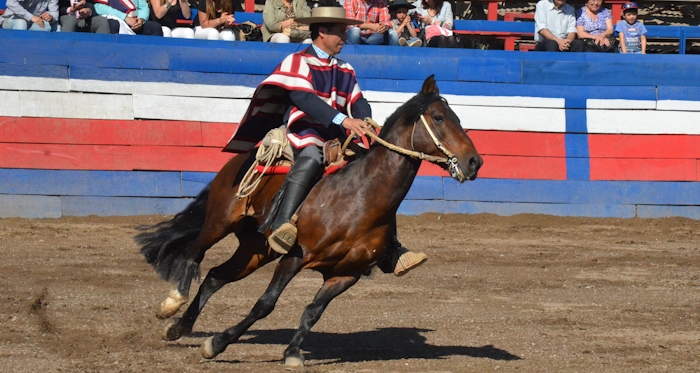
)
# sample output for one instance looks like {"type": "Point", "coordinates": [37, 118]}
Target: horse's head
{"type": "Point", "coordinates": [437, 132]}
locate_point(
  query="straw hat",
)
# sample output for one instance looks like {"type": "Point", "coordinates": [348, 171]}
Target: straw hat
{"type": "Point", "coordinates": [327, 14]}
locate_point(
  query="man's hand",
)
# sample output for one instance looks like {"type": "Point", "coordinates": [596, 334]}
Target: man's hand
{"type": "Point", "coordinates": [78, 6]}
{"type": "Point", "coordinates": [358, 126]}
{"type": "Point", "coordinates": [38, 21]}
{"type": "Point", "coordinates": [133, 22]}
{"type": "Point", "coordinates": [380, 28]}
{"type": "Point", "coordinates": [84, 13]}
{"type": "Point", "coordinates": [46, 17]}
{"type": "Point", "coordinates": [564, 44]}
{"type": "Point", "coordinates": [286, 23]}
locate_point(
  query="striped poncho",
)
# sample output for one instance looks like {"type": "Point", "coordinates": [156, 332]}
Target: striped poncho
{"type": "Point", "coordinates": [331, 79]}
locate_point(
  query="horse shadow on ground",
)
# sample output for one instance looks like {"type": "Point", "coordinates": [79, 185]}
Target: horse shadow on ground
{"type": "Point", "coordinates": [381, 344]}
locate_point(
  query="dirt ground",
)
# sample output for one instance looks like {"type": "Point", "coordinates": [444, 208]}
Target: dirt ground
{"type": "Point", "coordinates": [527, 293]}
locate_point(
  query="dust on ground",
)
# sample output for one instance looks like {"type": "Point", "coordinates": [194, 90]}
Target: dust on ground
{"type": "Point", "coordinates": [527, 293]}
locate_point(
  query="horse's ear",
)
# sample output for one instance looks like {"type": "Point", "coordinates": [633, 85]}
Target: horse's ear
{"type": "Point", "coordinates": [430, 86]}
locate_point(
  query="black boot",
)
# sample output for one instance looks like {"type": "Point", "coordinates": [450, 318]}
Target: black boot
{"type": "Point", "coordinates": [301, 178]}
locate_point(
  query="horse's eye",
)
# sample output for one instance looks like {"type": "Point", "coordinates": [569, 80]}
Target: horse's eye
{"type": "Point", "coordinates": [438, 118]}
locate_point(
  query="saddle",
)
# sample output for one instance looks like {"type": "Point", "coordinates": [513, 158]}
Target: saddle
{"type": "Point", "coordinates": [275, 157]}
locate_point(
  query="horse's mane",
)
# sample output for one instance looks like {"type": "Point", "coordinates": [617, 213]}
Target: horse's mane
{"type": "Point", "coordinates": [411, 110]}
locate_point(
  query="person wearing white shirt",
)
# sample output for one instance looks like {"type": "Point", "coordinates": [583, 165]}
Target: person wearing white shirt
{"type": "Point", "coordinates": [555, 27]}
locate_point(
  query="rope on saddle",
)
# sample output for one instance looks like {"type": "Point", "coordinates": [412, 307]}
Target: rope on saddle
{"type": "Point", "coordinates": [398, 149]}
{"type": "Point", "coordinates": [273, 147]}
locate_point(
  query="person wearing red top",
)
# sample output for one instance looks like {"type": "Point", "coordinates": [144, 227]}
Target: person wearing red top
{"type": "Point", "coordinates": [376, 23]}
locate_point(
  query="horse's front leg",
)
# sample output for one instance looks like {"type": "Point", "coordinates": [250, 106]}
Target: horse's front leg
{"type": "Point", "coordinates": [287, 268]}
{"type": "Point", "coordinates": [332, 287]}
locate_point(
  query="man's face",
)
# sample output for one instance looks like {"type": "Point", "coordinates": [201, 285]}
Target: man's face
{"type": "Point", "coordinates": [401, 14]}
{"type": "Point", "coordinates": [558, 3]}
{"type": "Point", "coordinates": [333, 40]}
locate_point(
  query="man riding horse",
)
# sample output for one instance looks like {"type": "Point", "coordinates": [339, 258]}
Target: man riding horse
{"type": "Point", "coordinates": [317, 97]}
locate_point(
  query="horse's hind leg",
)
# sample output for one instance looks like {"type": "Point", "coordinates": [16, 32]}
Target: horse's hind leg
{"type": "Point", "coordinates": [331, 288]}
{"type": "Point", "coordinates": [211, 233]}
{"type": "Point", "coordinates": [287, 268]}
{"type": "Point", "coordinates": [252, 253]}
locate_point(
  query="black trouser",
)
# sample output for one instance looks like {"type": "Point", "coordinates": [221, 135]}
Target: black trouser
{"type": "Point", "coordinates": [149, 28]}
{"type": "Point", "coordinates": [301, 178]}
{"type": "Point", "coordinates": [553, 46]}
{"type": "Point", "coordinates": [443, 41]}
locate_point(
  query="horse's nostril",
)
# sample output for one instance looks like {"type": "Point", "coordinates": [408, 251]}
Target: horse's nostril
{"type": "Point", "coordinates": [474, 163]}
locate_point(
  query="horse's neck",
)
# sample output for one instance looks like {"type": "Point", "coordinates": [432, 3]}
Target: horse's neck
{"type": "Point", "coordinates": [392, 171]}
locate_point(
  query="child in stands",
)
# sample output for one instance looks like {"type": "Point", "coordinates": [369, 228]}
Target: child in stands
{"type": "Point", "coordinates": [632, 32]}
{"type": "Point", "coordinates": [403, 25]}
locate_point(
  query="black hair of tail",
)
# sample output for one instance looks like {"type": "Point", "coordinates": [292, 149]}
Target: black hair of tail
{"type": "Point", "coordinates": [164, 245]}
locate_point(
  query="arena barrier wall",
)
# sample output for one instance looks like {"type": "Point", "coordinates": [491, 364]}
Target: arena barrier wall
{"type": "Point", "coordinates": [127, 125]}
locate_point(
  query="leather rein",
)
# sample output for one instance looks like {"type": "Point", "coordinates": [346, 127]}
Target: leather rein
{"type": "Point", "coordinates": [449, 159]}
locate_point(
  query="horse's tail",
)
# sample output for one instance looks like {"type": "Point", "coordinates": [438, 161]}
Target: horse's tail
{"type": "Point", "coordinates": [164, 245]}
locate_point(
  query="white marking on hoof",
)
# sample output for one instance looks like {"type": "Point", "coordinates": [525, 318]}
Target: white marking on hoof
{"type": "Point", "coordinates": [208, 349]}
{"type": "Point", "coordinates": [294, 364]}
{"type": "Point", "coordinates": [171, 331]}
{"type": "Point", "coordinates": [171, 304]}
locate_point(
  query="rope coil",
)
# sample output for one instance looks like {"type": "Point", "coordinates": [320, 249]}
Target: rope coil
{"type": "Point", "coordinates": [273, 147]}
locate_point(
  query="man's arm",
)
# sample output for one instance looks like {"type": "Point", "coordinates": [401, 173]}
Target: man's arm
{"type": "Point", "coordinates": [142, 9]}
{"type": "Point", "coordinates": [316, 108]}
{"type": "Point", "coordinates": [17, 9]}
{"type": "Point", "coordinates": [53, 10]}
{"type": "Point", "coordinates": [103, 9]}
{"type": "Point", "coordinates": [313, 106]}
{"type": "Point", "coordinates": [384, 17]}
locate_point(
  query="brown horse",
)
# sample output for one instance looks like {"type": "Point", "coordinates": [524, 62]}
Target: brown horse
{"type": "Point", "coordinates": [345, 225]}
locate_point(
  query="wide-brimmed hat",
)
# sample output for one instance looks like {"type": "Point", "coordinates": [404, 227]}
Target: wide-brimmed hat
{"type": "Point", "coordinates": [400, 4]}
{"type": "Point", "coordinates": [327, 14]}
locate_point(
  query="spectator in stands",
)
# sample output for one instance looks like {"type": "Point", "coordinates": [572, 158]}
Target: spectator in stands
{"type": "Point", "coordinates": [376, 27]}
{"type": "Point", "coordinates": [436, 20]}
{"type": "Point", "coordinates": [594, 27]}
{"type": "Point", "coordinates": [81, 17]}
{"type": "Point", "coordinates": [279, 25]}
{"type": "Point", "coordinates": [215, 20]}
{"type": "Point", "coordinates": [555, 27]}
{"type": "Point", "coordinates": [632, 32]}
{"type": "Point", "coordinates": [36, 15]}
{"type": "Point", "coordinates": [132, 16]}
{"type": "Point", "coordinates": [403, 25]}
{"type": "Point", "coordinates": [166, 13]}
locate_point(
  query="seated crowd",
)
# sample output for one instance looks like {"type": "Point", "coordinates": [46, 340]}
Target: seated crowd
{"type": "Point", "coordinates": [420, 23]}
{"type": "Point", "coordinates": [590, 29]}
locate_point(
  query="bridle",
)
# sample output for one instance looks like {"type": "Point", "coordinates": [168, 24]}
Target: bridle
{"type": "Point", "coordinates": [449, 158]}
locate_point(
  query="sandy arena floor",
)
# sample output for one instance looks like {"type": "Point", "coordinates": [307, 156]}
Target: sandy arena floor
{"type": "Point", "coordinates": [527, 293]}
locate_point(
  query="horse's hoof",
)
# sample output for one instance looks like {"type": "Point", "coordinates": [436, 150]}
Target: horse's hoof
{"type": "Point", "coordinates": [171, 305]}
{"type": "Point", "coordinates": [174, 330]}
{"type": "Point", "coordinates": [208, 349]}
{"type": "Point", "coordinates": [294, 363]}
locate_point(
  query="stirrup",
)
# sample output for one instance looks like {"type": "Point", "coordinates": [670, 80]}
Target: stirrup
{"type": "Point", "coordinates": [283, 238]}
{"type": "Point", "coordinates": [406, 260]}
